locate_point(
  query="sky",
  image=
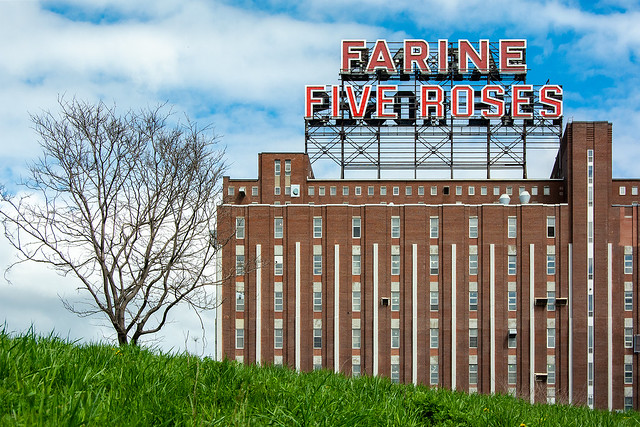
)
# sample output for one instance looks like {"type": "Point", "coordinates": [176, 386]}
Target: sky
{"type": "Point", "coordinates": [241, 67]}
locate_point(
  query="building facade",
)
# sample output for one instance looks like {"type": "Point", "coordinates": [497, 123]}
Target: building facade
{"type": "Point", "coordinates": [447, 283]}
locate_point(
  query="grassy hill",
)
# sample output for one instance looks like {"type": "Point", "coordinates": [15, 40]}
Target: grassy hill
{"type": "Point", "coordinates": [49, 381]}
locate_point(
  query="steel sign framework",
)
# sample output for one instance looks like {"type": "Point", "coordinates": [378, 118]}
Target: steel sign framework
{"type": "Point", "coordinates": [416, 141]}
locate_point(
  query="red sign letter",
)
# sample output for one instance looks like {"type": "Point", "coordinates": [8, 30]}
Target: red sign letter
{"type": "Point", "coordinates": [416, 52]}
{"type": "Point", "coordinates": [309, 99]}
{"type": "Point", "coordinates": [357, 111]}
{"type": "Point", "coordinates": [512, 56]}
{"type": "Point", "coordinates": [480, 59]}
{"type": "Point", "coordinates": [426, 103]}
{"type": "Point", "coordinates": [519, 99]}
{"type": "Point", "coordinates": [455, 101]}
{"type": "Point", "coordinates": [491, 101]}
{"type": "Point", "coordinates": [351, 50]}
{"type": "Point", "coordinates": [551, 98]}
{"type": "Point", "coordinates": [443, 56]}
{"type": "Point", "coordinates": [381, 58]}
{"type": "Point", "coordinates": [381, 100]}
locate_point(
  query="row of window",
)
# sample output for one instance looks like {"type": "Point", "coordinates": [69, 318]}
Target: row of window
{"type": "Point", "coordinates": [408, 190]}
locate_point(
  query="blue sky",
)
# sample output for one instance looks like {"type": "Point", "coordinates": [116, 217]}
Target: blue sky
{"type": "Point", "coordinates": [242, 66]}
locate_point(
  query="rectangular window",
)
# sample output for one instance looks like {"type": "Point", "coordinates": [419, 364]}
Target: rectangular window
{"type": "Point", "coordinates": [254, 191]}
{"type": "Point", "coordinates": [433, 264]}
{"type": "Point", "coordinates": [383, 190]}
{"type": "Point", "coordinates": [433, 298]}
{"type": "Point", "coordinates": [395, 227]}
{"type": "Point", "coordinates": [370, 190]}
{"type": "Point", "coordinates": [551, 226]}
{"type": "Point", "coordinates": [277, 301]}
{"type": "Point", "coordinates": [287, 168]}
{"type": "Point", "coordinates": [483, 191]}
{"type": "Point", "coordinates": [628, 337]}
{"type": "Point", "coordinates": [551, 373]}
{"type": "Point", "coordinates": [623, 190]}
{"type": "Point", "coordinates": [433, 227]}
{"type": "Point", "coordinates": [473, 337]}
{"type": "Point", "coordinates": [239, 265]}
{"type": "Point", "coordinates": [534, 190]}
{"type": "Point", "coordinates": [239, 339]}
{"type": "Point", "coordinates": [395, 265]}
{"type": "Point", "coordinates": [276, 167]}
{"type": "Point", "coordinates": [471, 190]}
{"type": "Point", "coordinates": [230, 191]}
{"type": "Point", "coordinates": [433, 338]}
{"type": "Point", "coordinates": [628, 403]}
{"type": "Point", "coordinates": [473, 300]}
{"type": "Point", "coordinates": [277, 228]}
{"type": "Point", "coordinates": [496, 191]}
{"type": "Point", "coordinates": [239, 227]}
{"type": "Point", "coordinates": [420, 190]}
{"type": "Point", "coordinates": [395, 301]}
{"type": "Point", "coordinates": [355, 265]}
{"type": "Point", "coordinates": [287, 190]}
{"type": "Point", "coordinates": [511, 264]}
{"type": "Point", "coordinates": [628, 373]}
{"type": "Point", "coordinates": [317, 338]}
{"type": "Point", "coordinates": [317, 265]}
{"type": "Point", "coordinates": [311, 190]}
{"type": "Point", "coordinates": [628, 300]}
{"type": "Point", "coordinates": [433, 374]}
{"type": "Point", "coordinates": [511, 373]}
{"type": "Point", "coordinates": [551, 264]}
{"type": "Point", "coordinates": [551, 300]}
{"type": "Point", "coordinates": [395, 373]}
{"type": "Point", "coordinates": [434, 190]}
{"type": "Point", "coordinates": [511, 341]}
{"type": "Point", "coordinates": [473, 373]}
{"type": "Point", "coordinates": [408, 190]}
{"type": "Point", "coordinates": [396, 191]}
{"type": "Point", "coordinates": [345, 190]}
{"type": "Point", "coordinates": [473, 227]}
{"type": "Point", "coordinates": [458, 190]}
{"type": "Point", "coordinates": [317, 227]}
{"type": "Point", "coordinates": [511, 227]}
{"type": "Point", "coordinates": [317, 301]}
{"type": "Point", "coordinates": [355, 370]}
{"type": "Point", "coordinates": [239, 300]}
{"type": "Point", "coordinates": [358, 191]}
{"type": "Point", "coordinates": [551, 337]}
{"type": "Point", "coordinates": [333, 190]}
{"type": "Point", "coordinates": [355, 338]}
{"type": "Point", "coordinates": [509, 190]}
{"type": "Point", "coordinates": [395, 338]}
{"type": "Point", "coordinates": [511, 300]}
{"type": "Point", "coordinates": [546, 190]}
{"type": "Point", "coordinates": [628, 263]}
{"type": "Point", "coordinates": [355, 301]}
{"type": "Point", "coordinates": [473, 264]}
{"type": "Point", "coordinates": [321, 191]}
{"type": "Point", "coordinates": [277, 338]}
{"type": "Point", "coordinates": [278, 265]}
{"type": "Point", "coordinates": [355, 227]}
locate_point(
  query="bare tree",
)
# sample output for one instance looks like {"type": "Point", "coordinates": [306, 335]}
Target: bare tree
{"type": "Point", "coordinates": [127, 204]}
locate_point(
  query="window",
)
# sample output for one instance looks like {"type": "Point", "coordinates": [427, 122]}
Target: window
{"type": "Point", "coordinates": [551, 337]}
{"type": "Point", "coordinates": [317, 265]}
{"type": "Point", "coordinates": [534, 190]}
{"type": "Point", "coordinates": [358, 191]}
{"type": "Point", "coordinates": [395, 337]}
{"type": "Point", "coordinates": [420, 190]}
{"type": "Point", "coordinates": [511, 264]}
{"type": "Point", "coordinates": [287, 190]}
{"type": "Point", "coordinates": [511, 300]}
{"type": "Point", "coordinates": [345, 190]}
{"type": "Point", "coordinates": [239, 227]}
{"type": "Point", "coordinates": [433, 298]}
{"type": "Point", "coordinates": [278, 260]}
{"type": "Point", "coordinates": [433, 373]}
{"type": "Point", "coordinates": [277, 301]}
{"type": "Point", "coordinates": [395, 227]}
{"type": "Point", "coordinates": [483, 191]}
{"type": "Point", "coordinates": [355, 265]}
{"type": "Point", "coordinates": [628, 373]}
{"type": "Point", "coordinates": [551, 373]}
{"type": "Point", "coordinates": [356, 338]}
{"type": "Point", "coordinates": [551, 300]}
{"type": "Point", "coordinates": [458, 190]}
{"type": "Point", "coordinates": [546, 190]}
{"type": "Point", "coordinates": [370, 190]}
{"type": "Point", "coordinates": [277, 228]}
{"type": "Point", "coordinates": [383, 190]}
{"type": "Point", "coordinates": [433, 338]}
{"type": "Point", "coordinates": [433, 227]}
{"type": "Point", "coordinates": [551, 226]}
{"type": "Point", "coordinates": [511, 227]}
{"type": "Point", "coordinates": [317, 227]}
{"type": "Point", "coordinates": [277, 338]}
{"type": "Point", "coordinates": [634, 191]}
{"type": "Point", "coordinates": [473, 337]}
{"type": "Point", "coordinates": [395, 265]}
{"type": "Point", "coordinates": [511, 341]}
{"type": "Point", "coordinates": [473, 264]}
{"type": "Point", "coordinates": [511, 373]}
{"type": "Point", "coordinates": [395, 301]}
{"type": "Point", "coordinates": [254, 191]}
{"type": "Point", "coordinates": [473, 227]}
{"type": "Point", "coordinates": [434, 190]}
{"type": "Point", "coordinates": [395, 373]}
{"type": "Point", "coordinates": [276, 166]}
{"type": "Point", "coordinates": [321, 190]}
{"type": "Point", "coordinates": [317, 338]}
{"type": "Point", "coordinates": [551, 264]}
{"type": "Point", "coordinates": [239, 300]}
{"type": "Point", "coordinates": [509, 190]}
{"type": "Point", "coordinates": [628, 263]}
{"type": "Point", "coordinates": [355, 227]}
{"type": "Point", "coordinates": [239, 265]}
{"type": "Point", "coordinates": [471, 190]}
{"type": "Point", "coordinates": [473, 300]}
{"type": "Point", "coordinates": [333, 190]}
{"type": "Point", "coordinates": [396, 191]}
{"type": "Point", "coordinates": [433, 264]}
{"type": "Point", "coordinates": [408, 190]}
{"type": "Point", "coordinates": [355, 300]}
{"type": "Point", "coordinates": [230, 191]}
{"type": "Point", "coordinates": [628, 403]}
{"type": "Point", "coordinates": [287, 168]}
{"type": "Point", "coordinates": [317, 301]}
{"type": "Point", "coordinates": [628, 337]}
{"type": "Point", "coordinates": [496, 191]}
{"type": "Point", "coordinates": [628, 300]}
{"type": "Point", "coordinates": [240, 338]}
{"type": "Point", "coordinates": [355, 370]}
{"type": "Point", "coordinates": [473, 373]}
{"type": "Point", "coordinates": [623, 190]}
{"type": "Point", "coordinates": [311, 190]}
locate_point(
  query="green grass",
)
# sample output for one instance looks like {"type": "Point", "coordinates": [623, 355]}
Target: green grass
{"type": "Point", "coordinates": [49, 381]}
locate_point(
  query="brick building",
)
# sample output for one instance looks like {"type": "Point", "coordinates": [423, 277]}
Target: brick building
{"type": "Point", "coordinates": [440, 282]}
